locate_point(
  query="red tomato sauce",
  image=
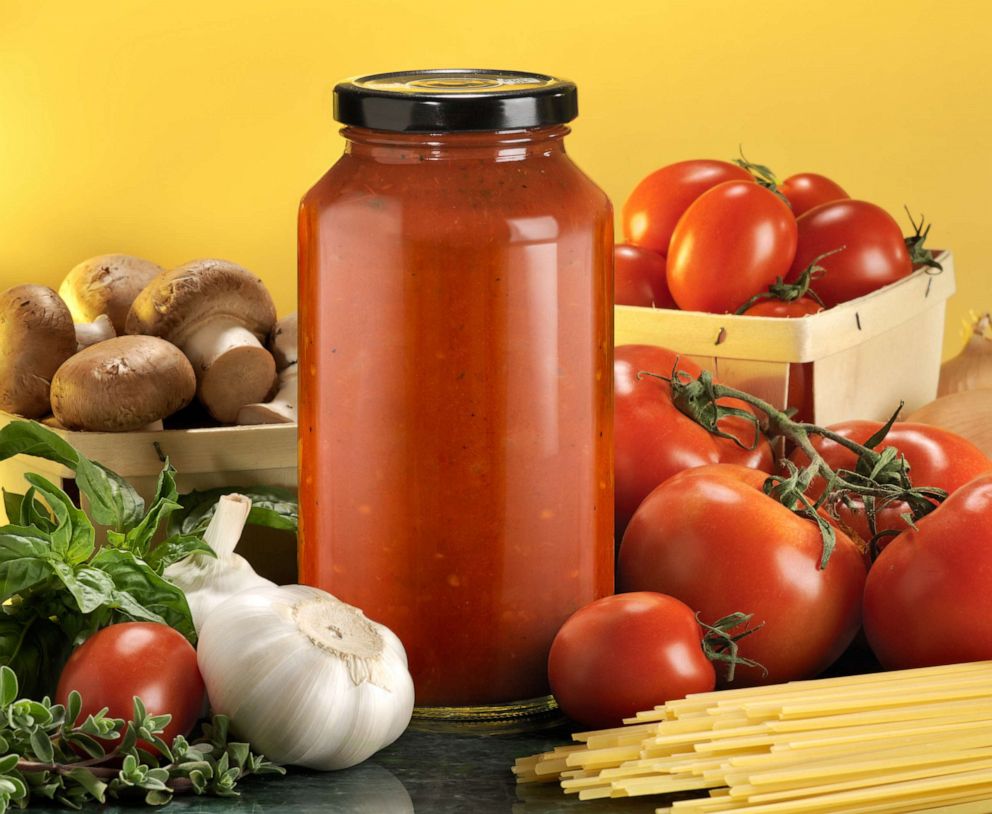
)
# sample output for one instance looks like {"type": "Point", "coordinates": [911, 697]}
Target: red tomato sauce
{"type": "Point", "coordinates": [456, 400]}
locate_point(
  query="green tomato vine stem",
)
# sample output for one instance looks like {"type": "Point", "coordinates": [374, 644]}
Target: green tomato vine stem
{"type": "Point", "coordinates": [879, 478]}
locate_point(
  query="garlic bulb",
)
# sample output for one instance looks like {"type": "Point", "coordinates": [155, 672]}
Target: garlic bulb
{"type": "Point", "coordinates": [971, 369]}
{"type": "Point", "coordinates": [208, 581]}
{"type": "Point", "coordinates": [306, 678]}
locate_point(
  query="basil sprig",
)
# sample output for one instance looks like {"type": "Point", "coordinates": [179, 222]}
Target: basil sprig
{"type": "Point", "coordinates": [57, 585]}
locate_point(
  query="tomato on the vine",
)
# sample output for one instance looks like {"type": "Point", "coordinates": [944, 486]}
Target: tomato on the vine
{"type": "Point", "coordinates": [802, 307]}
{"type": "Point", "coordinates": [936, 457]}
{"type": "Point", "coordinates": [145, 659]}
{"type": "Point", "coordinates": [872, 250]}
{"type": "Point", "coordinates": [639, 278]}
{"type": "Point", "coordinates": [657, 202]}
{"type": "Point", "coordinates": [712, 538]}
{"type": "Point", "coordinates": [654, 440]}
{"type": "Point", "coordinates": [731, 243]}
{"type": "Point", "coordinates": [626, 653]}
{"type": "Point", "coordinates": [928, 599]}
{"type": "Point", "coordinates": [806, 190]}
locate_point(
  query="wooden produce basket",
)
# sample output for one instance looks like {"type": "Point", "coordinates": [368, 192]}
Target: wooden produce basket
{"type": "Point", "coordinates": [261, 455]}
{"type": "Point", "coordinates": [866, 355]}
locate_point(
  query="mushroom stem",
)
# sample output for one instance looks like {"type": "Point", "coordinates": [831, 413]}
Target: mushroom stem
{"type": "Point", "coordinates": [215, 338]}
{"type": "Point", "coordinates": [282, 408]}
{"type": "Point", "coordinates": [89, 333]}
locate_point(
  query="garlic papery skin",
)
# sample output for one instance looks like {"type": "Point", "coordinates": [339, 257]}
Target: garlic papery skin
{"type": "Point", "coordinates": [305, 678]}
{"type": "Point", "coordinates": [208, 581]}
{"type": "Point", "coordinates": [971, 369]}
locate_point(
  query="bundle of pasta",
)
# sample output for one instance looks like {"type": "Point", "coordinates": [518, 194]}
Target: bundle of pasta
{"type": "Point", "coordinates": [903, 741]}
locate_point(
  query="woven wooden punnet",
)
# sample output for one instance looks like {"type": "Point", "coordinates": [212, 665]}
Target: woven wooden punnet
{"type": "Point", "coordinates": [867, 355]}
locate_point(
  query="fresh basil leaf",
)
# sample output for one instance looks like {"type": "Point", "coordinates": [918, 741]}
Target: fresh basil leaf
{"type": "Point", "coordinates": [175, 549]}
{"type": "Point", "coordinates": [35, 649]}
{"type": "Point", "coordinates": [272, 506]}
{"type": "Point", "coordinates": [34, 513]}
{"type": "Point", "coordinates": [24, 561]}
{"type": "Point", "coordinates": [12, 503]}
{"type": "Point", "coordinates": [90, 587]}
{"type": "Point", "coordinates": [73, 538]}
{"type": "Point", "coordinates": [151, 592]}
{"type": "Point", "coordinates": [163, 504]}
{"type": "Point", "coordinates": [31, 438]}
{"type": "Point", "coordinates": [112, 500]}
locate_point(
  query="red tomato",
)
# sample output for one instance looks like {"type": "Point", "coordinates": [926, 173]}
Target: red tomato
{"type": "Point", "coordinates": [730, 244]}
{"type": "Point", "coordinates": [654, 441]}
{"type": "Point", "coordinates": [627, 653]}
{"type": "Point", "coordinates": [639, 278]}
{"type": "Point", "coordinates": [144, 659]}
{"type": "Point", "coordinates": [657, 203]}
{"type": "Point", "coordinates": [802, 307]}
{"type": "Point", "coordinates": [712, 538]}
{"type": "Point", "coordinates": [807, 190]}
{"type": "Point", "coordinates": [936, 457]}
{"type": "Point", "coordinates": [928, 599]}
{"type": "Point", "coordinates": [873, 256]}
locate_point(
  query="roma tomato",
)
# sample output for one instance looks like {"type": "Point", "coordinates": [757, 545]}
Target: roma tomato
{"type": "Point", "coordinates": [731, 243]}
{"type": "Point", "coordinates": [654, 440]}
{"type": "Point", "coordinates": [874, 251]}
{"type": "Point", "coordinates": [936, 457]}
{"type": "Point", "coordinates": [144, 659]}
{"type": "Point", "coordinates": [711, 538]}
{"type": "Point", "coordinates": [802, 307]}
{"type": "Point", "coordinates": [639, 278]}
{"type": "Point", "coordinates": [807, 190]}
{"type": "Point", "coordinates": [928, 599]}
{"type": "Point", "coordinates": [627, 653]}
{"type": "Point", "coordinates": [657, 202]}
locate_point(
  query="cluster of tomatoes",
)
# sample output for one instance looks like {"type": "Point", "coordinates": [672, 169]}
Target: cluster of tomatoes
{"type": "Point", "coordinates": [708, 235]}
{"type": "Point", "coordinates": [702, 541]}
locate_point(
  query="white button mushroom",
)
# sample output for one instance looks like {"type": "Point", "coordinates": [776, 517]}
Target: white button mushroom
{"type": "Point", "coordinates": [106, 284]}
{"type": "Point", "coordinates": [282, 408]}
{"type": "Point", "coordinates": [217, 313]}
{"type": "Point", "coordinates": [122, 384]}
{"type": "Point", "coordinates": [36, 337]}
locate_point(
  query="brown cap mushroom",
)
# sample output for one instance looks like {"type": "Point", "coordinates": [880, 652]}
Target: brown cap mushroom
{"type": "Point", "coordinates": [107, 285]}
{"type": "Point", "coordinates": [217, 313]}
{"type": "Point", "coordinates": [282, 408]}
{"type": "Point", "coordinates": [36, 336]}
{"type": "Point", "coordinates": [122, 384]}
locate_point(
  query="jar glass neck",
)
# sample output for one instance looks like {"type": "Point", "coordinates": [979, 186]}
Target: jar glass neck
{"type": "Point", "coordinates": [504, 145]}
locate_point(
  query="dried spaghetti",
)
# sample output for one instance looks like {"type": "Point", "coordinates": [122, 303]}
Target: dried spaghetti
{"type": "Point", "coordinates": [902, 741]}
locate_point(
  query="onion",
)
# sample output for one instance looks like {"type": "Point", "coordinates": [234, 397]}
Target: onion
{"type": "Point", "coordinates": [968, 413]}
{"type": "Point", "coordinates": [971, 369]}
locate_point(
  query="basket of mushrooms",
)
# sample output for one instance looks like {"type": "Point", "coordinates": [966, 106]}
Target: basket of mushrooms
{"type": "Point", "coordinates": [131, 362]}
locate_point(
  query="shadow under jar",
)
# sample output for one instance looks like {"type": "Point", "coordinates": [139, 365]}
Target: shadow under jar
{"type": "Point", "coordinates": [455, 417]}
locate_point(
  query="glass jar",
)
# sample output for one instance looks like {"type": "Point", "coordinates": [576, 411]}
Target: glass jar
{"type": "Point", "coordinates": [455, 418]}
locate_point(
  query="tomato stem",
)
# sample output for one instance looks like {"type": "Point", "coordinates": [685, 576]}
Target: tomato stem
{"type": "Point", "coordinates": [762, 175]}
{"type": "Point", "coordinates": [789, 292]}
{"type": "Point", "coordinates": [720, 643]}
{"type": "Point", "coordinates": [879, 478]}
{"type": "Point", "coordinates": [915, 243]}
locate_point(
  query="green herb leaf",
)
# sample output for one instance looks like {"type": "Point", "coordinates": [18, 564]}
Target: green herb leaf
{"type": "Point", "coordinates": [73, 536]}
{"type": "Point", "coordinates": [8, 694]}
{"type": "Point", "coordinates": [274, 507]}
{"type": "Point", "coordinates": [12, 503]}
{"type": "Point", "coordinates": [90, 587]}
{"type": "Point", "coordinates": [175, 549]}
{"type": "Point", "coordinates": [89, 781]}
{"type": "Point", "coordinates": [23, 561]}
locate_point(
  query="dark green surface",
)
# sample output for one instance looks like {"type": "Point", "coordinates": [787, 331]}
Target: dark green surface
{"type": "Point", "coordinates": [425, 773]}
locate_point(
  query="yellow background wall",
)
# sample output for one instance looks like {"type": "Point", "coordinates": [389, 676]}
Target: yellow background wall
{"type": "Point", "coordinates": [191, 127]}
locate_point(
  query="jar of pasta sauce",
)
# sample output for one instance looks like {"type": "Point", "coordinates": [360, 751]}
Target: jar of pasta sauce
{"type": "Point", "coordinates": [455, 419]}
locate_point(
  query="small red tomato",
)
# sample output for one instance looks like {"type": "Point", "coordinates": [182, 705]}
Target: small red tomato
{"type": "Point", "coordinates": [928, 599]}
{"type": "Point", "coordinates": [731, 243]}
{"type": "Point", "coordinates": [627, 653]}
{"type": "Point", "coordinates": [807, 190]}
{"type": "Point", "coordinates": [639, 278]}
{"type": "Point", "coordinates": [657, 202]}
{"type": "Point", "coordinates": [712, 538]}
{"type": "Point", "coordinates": [872, 250]}
{"type": "Point", "coordinates": [144, 659]}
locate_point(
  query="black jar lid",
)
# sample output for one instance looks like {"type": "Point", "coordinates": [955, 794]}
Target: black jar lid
{"type": "Point", "coordinates": [447, 100]}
